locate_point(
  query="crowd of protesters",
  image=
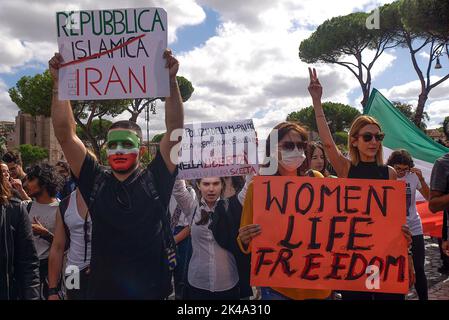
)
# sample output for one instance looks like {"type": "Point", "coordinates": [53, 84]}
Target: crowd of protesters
{"type": "Point", "coordinates": [109, 227]}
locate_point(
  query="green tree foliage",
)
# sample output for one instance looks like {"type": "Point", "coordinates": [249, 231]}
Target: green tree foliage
{"type": "Point", "coordinates": [413, 22]}
{"type": "Point", "coordinates": [158, 137]}
{"type": "Point", "coordinates": [32, 154]}
{"type": "Point", "coordinates": [339, 116]}
{"type": "Point", "coordinates": [99, 131]}
{"type": "Point", "coordinates": [446, 127]}
{"type": "Point", "coordinates": [33, 94]}
{"type": "Point", "coordinates": [341, 139]}
{"type": "Point", "coordinates": [407, 110]}
{"type": "Point", "coordinates": [426, 16]}
{"type": "Point", "coordinates": [344, 41]}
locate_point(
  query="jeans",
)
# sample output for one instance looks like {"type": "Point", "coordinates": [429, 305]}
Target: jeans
{"type": "Point", "coordinates": [270, 294]}
{"type": "Point", "coordinates": [184, 252]}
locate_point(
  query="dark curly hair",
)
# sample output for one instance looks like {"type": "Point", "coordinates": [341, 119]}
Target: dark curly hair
{"type": "Point", "coordinates": [401, 157]}
{"type": "Point", "coordinates": [64, 165]}
{"type": "Point", "coordinates": [12, 156]}
{"type": "Point", "coordinates": [47, 177]}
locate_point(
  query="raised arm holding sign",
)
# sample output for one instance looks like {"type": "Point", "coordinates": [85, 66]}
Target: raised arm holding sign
{"type": "Point", "coordinates": [134, 248]}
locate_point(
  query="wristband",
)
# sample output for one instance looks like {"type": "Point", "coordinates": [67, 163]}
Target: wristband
{"type": "Point", "coordinates": [53, 292]}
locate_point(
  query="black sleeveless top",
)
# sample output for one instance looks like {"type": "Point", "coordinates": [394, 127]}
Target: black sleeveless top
{"type": "Point", "coordinates": [368, 170]}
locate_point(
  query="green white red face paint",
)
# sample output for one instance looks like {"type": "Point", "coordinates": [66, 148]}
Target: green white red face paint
{"type": "Point", "coordinates": [122, 149]}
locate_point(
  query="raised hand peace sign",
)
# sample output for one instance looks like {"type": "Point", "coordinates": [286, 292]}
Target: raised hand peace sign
{"type": "Point", "coordinates": [315, 88]}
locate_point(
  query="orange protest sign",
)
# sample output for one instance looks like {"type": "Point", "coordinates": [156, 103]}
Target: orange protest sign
{"type": "Point", "coordinates": [338, 234]}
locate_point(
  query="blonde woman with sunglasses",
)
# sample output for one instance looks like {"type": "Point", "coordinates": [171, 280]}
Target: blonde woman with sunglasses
{"type": "Point", "coordinates": [365, 162]}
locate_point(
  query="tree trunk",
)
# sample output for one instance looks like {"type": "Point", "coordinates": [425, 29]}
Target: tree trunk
{"type": "Point", "coordinates": [420, 108]}
{"type": "Point", "coordinates": [134, 117]}
{"type": "Point", "coordinates": [365, 99]}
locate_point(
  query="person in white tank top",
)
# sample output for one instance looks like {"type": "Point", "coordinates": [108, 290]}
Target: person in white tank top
{"type": "Point", "coordinates": [78, 258]}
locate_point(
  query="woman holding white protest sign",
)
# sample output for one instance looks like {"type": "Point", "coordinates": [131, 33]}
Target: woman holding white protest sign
{"type": "Point", "coordinates": [217, 269]}
{"type": "Point", "coordinates": [366, 162]}
{"type": "Point", "coordinates": [291, 147]}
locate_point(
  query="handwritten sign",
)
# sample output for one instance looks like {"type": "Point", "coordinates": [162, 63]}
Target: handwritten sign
{"type": "Point", "coordinates": [338, 234]}
{"type": "Point", "coordinates": [218, 149]}
{"type": "Point", "coordinates": [112, 54]}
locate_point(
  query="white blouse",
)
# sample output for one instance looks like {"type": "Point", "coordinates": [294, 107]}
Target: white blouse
{"type": "Point", "coordinates": [211, 267]}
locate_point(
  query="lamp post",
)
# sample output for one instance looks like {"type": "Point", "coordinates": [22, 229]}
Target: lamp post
{"type": "Point", "coordinates": [150, 107]}
{"type": "Point", "coordinates": [438, 64]}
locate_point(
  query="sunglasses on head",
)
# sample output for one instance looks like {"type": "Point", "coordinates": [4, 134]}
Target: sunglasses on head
{"type": "Point", "coordinates": [367, 137]}
{"type": "Point", "coordinates": [290, 145]}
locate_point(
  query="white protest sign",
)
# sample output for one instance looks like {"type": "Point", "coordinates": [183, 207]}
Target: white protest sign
{"type": "Point", "coordinates": [112, 54]}
{"type": "Point", "coordinates": [218, 149]}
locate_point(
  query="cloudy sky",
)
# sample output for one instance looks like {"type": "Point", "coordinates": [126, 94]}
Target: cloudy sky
{"type": "Point", "coordinates": [242, 57]}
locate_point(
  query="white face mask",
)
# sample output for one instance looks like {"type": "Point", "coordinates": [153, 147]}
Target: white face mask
{"type": "Point", "coordinates": [292, 160]}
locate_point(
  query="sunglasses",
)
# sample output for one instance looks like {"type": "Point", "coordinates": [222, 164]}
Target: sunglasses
{"type": "Point", "coordinates": [290, 145]}
{"type": "Point", "coordinates": [367, 137]}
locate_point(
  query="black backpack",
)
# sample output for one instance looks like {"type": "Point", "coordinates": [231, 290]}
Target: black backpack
{"type": "Point", "coordinates": [148, 186]}
{"type": "Point", "coordinates": [63, 205]}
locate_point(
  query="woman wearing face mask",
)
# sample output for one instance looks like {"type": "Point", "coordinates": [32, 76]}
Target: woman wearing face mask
{"type": "Point", "coordinates": [366, 162]}
{"type": "Point", "coordinates": [292, 143]}
{"type": "Point", "coordinates": [402, 162]}
{"type": "Point", "coordinates": [217, 269]}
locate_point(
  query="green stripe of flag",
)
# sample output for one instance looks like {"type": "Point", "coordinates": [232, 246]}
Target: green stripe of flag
{"type": "Point", "coordinates": [400, 132]}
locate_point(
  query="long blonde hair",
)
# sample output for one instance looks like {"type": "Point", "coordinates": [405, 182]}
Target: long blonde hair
{"type": "Point", "coordinates": [356, 126]}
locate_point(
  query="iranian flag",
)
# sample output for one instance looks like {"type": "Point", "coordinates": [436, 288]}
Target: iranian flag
{"type": "Point", "coordinates": [401, 133]}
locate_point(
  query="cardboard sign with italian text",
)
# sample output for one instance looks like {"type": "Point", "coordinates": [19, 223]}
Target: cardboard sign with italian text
{"type": "Point", "coordinates": [218, 149]}
{"type": "Point", "coordinates": [112, 54]}
{"type": "Point", "coordinates": [337, 234]}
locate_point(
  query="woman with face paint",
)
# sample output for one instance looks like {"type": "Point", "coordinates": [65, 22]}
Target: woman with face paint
{"type": "Point", "coordinates": [217, 269]}
{"type": "Point", "coordinates": [366, 162]}
{"type": "Point", "coordinates": [292, 161]}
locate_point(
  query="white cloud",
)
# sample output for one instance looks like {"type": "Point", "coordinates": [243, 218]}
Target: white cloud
{"type": "Point", "coordinates": [13, 53]}
{"type": "Point", "coordinates": [412, 89]}
{"type": "Point", "coordinates": [265, 14]}
{"type": "Point", "coordinates": [8, 108]}
{"type": "Point", "coordinates": [437, 106]}
{"type": "Point", "coordinates": [29, 27]}
{"type": "Point", "coordinates": [250, 69]}
{"type": "Point", "coordinates": [425, 55]}
{"type": "Point", "coordinates": [253, 70]}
